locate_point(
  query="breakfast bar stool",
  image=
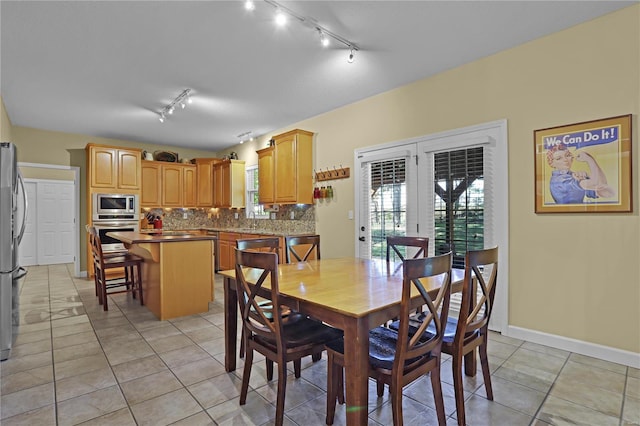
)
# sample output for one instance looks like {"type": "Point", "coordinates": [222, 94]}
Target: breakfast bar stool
{"type": "Point", "coordinates": [131, 263]}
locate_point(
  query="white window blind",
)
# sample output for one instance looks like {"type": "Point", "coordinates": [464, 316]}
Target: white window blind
{"type": "Point", "coordinates": [251, 185]}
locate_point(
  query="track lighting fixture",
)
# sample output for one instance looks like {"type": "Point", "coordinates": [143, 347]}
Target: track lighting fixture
{"type": "Point", "coordinates": [283, 12]}
{"type": "Point", "coordinates": [249, 5]}
{"type": "Point", "coordinates": [245, 136]}
{"type": "Point", "coordinates": [183, 99]}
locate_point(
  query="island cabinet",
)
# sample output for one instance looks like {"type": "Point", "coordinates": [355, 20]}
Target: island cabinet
{"type": "Point", "coordinates": [204, 181]}
{"type": "Point", "coordinates": [229, 184]}
{"type": "Point", "coordinates": [291, 165]}
{"type": "Point", "coordinates": [113, 168]}
{"type": "Point", "coordinates": [168, 184]}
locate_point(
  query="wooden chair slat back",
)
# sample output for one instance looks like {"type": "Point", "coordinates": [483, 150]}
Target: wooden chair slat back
{"type": "Point", "coordinates": [394, 242]}
{"type": "Point", "coordinates": [268, 244]}
{"type": "Point", "coordinates": [255, 319]}
{"type": "Point", "coordinates": [292, 246]}
{"type": "Point", "coordinates": [481, 265]}
{"type": "Point", "coordinates": [417, 345]}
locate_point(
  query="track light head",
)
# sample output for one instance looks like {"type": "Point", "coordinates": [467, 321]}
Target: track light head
{"type": "Point", "coordinates": [324, 40]}
{"type": "Point", "coordinates": [161, 118]}
{"type": "Point", "coordinates": [281, 18]}
{"type": "Point", "coordinates": [351, 57]}
{"type": "Point", "coordinates": [249, 5]}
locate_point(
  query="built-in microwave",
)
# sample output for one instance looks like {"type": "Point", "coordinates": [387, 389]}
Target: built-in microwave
{"type": "Point", "coordinates": [115, 206]}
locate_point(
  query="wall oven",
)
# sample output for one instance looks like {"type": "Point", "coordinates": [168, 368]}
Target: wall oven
{"type": "Point", "coordinates": [109, 244]}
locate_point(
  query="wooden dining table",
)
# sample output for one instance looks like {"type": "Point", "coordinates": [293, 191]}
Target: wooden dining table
{"type": "Point", "coordinates": [355, 295]}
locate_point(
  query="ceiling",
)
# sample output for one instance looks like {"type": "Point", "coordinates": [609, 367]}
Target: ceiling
{"type": "Point", "coordinates": [107, 68]}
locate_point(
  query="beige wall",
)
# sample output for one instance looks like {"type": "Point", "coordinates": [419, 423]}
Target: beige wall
{"type": "Point", "coordinates": [572, 275]}
{"type": "Point", "coordinates": [5, 124]}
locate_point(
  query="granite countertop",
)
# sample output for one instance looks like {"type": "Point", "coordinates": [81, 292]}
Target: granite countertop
{"type": "Point", "coordinates": [161, 236]}
{"type": "Point", "coordinates": [195, 231]}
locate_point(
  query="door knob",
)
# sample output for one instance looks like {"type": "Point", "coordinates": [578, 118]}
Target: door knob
{"type": "Point", "coordinates": [361, 238]}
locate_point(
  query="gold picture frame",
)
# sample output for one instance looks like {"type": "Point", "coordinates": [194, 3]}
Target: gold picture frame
{"type": "Point", "coordinates": [584, 167]}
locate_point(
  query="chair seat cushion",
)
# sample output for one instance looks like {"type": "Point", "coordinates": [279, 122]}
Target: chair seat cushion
{"type": "Point", "coordinates": [382, 348]}
{"type": "Point", "coordinates": [416, 320]}
{"type": "Point", "coordinates": [304, 331]}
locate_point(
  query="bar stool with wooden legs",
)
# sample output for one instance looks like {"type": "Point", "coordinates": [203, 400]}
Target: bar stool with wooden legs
{"type": "Point", "coordinates": [130, 263]}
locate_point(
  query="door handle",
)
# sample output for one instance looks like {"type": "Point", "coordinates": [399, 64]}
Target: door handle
{"type": "Point", "coordinates": [26, 206]}
{"type": "Point", "coordinates": [361, 238]}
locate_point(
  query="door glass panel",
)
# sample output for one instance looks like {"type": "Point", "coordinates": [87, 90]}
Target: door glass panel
{"type": "Point", "coordinates": [387, 203]}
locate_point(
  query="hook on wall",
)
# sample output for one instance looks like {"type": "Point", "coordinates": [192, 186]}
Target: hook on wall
{"type": "Point", "coordinates": [335, 173]}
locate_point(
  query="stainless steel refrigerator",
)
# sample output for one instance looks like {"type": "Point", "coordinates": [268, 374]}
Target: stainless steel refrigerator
{"type": "Point", "coordinates": [13, 213]}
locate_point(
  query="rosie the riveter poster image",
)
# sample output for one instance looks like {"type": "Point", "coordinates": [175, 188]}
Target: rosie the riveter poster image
{"type": "Point", "coordinates": [584, 167]}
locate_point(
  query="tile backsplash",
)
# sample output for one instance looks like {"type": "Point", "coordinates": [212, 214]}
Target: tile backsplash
{"type": "Point", "coordinates": [304, 219]}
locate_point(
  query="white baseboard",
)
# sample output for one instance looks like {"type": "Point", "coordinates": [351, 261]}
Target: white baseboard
{"type": "Point", "coordinates": [607, 353]}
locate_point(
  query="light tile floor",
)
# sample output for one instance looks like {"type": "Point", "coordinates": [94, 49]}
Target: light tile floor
{"type": "Point", "coordinates": [73, 363]}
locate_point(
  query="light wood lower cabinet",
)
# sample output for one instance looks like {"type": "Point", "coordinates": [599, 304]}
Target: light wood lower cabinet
{"type": "Point", "coordinates": [227, 245]}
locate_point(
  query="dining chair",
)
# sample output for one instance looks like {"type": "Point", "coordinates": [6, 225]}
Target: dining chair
{"type": "Point", "coordinates": [295, 245]}
{"type": "Point", "coordinates": [130, 263]}
{"type": "Point", "coordinates": [397, 358]}
{"type": "Point", "coordinates": [395, 242]}
{"type": "Point", "coordinates": [270, 245]}
{"type": "Point", "coordinates": [470, 329]}
{"type": "Point", "coordinates": [264, 331]}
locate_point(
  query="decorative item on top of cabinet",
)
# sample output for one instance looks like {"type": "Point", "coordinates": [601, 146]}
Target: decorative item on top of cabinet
{"type": "Point", "coordinates": [291, 160]}
{"type": "Point", "coordinates": [111, 167]}
{"type": "Point", "coordinates": [229, 184]}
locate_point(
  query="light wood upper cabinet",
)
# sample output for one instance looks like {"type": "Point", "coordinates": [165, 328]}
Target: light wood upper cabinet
{"type": "Point", "coordinates": [168, 184]}
{"type": "Point", "coordinates": [266, 194]}
{"type": "Point", "coordinates": [229, 184]}
{"type": "Point", "coordinates": [151, 184]}
{"type": "Point", "coordinates": [204, 181]}
{"type": "Point", "coordinates": [190, 187]}
{"type": "Point", "coordinates": [292, 166]}
{"type": "Point", "coordinates": [114, 168]}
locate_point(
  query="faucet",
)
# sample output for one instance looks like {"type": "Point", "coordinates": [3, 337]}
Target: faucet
{"type": "Point", "coordinates": [254, 223]}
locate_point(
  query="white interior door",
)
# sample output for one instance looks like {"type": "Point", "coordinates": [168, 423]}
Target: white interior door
{"type": "Point", "coordinates": [28, 249]}
{"type": "Point", "coordinates": [56, 222]}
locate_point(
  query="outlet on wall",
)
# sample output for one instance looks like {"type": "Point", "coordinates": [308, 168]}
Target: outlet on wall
{"type": "Point", "coordinates": [292, 215]}
{"type": "Point", "coordinates": [236, 215]}
{"type": "Point", "coordinates": [184, 215]}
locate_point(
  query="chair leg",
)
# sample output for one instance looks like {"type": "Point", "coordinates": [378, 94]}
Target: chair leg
{"type": "Point", "coordinates": [396, 402]}
{"type": "Point", "coordinates": [246, 375]}
{"type": "Point", "coordinates": [269, 369]}
{"type": "Point", "coordinates": [297, 368]}
{"type": "Point", "coordinates": [316, 357]}
{"type": "Point", "coordinates": [332, 387]}
{"type": "Point", "coordinates": [103, 290]}
{"type": "Point", "coordinates": [282, 387]}
{"type": "Point", "coordinates": [380, 388]}
{"type": "Point", "coordinates": [241, 354]}
{"type": "Point", "coordinates": [139, 267]}
{"type": "Point", "coordinates": [486, 374]}
{"type": "Point", "coordinates": [437, 395]}
{"type": "Point", "coordinates": [456, 363]}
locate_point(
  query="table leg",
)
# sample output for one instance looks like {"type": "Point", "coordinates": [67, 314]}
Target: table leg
{"type": "Point", "coordinates": [356, 337]}
{"type": "Point", "coordinates": [230, 324]}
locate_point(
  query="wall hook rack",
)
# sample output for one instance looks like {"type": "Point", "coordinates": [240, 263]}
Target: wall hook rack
{"type": "Point", "coordinates": [335, 173]}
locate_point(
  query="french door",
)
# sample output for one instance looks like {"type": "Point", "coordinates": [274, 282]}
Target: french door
{"type": "Point", "coordinates": [387, 179]}
{"type": "Point", "coordinates": [450, 187]}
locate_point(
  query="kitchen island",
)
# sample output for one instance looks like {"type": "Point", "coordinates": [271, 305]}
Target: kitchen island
{"type": "Point", "coordinates": [178, 270]}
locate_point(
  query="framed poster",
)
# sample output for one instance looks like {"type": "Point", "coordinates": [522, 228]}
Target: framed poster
{"type": "Point", "coordinates": [584, 167]}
